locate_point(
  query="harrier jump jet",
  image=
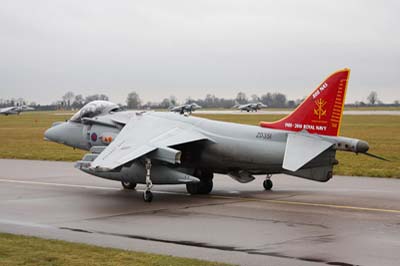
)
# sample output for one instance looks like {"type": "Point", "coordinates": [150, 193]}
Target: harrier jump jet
{"type": "Point", "coordinates": [185, 108]}
{"type": "Point", "coordinates": [15, 110]}
{"type": "Point", "coordinates": [250, 107]}
{"type": "Point", "coordinates": [166, 148]}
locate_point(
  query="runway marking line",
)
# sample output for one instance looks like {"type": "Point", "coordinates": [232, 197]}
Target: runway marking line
{"type": "Point", "coordinates": [211, 196]}
{"type": "Point", "coordinates": [313, 204]}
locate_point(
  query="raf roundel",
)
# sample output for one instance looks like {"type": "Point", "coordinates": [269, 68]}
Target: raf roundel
{"type": "Point", "coordinates": [94, 137]}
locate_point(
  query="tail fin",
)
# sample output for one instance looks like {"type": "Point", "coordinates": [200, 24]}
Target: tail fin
{"type": "Point", "coordinates": [321, 112]}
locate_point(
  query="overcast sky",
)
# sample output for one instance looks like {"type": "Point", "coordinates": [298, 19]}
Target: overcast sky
{"type": "Point", "coordinates": [192, 48]}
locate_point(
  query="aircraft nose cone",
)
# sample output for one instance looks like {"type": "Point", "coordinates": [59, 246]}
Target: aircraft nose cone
{"type": "Point", "coordinates": [362, 146]}
{"type": "Point", "coordinates": [53, 133]}
{"type": "Point", "coordinates": [50, 134]}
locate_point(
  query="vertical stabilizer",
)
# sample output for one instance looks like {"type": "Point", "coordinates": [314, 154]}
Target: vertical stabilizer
{"type": "Point", "coordinates": [321, 112]}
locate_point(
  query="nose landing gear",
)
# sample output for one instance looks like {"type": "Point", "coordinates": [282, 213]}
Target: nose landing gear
{"type": "Point", "coordinates": [267, 184]}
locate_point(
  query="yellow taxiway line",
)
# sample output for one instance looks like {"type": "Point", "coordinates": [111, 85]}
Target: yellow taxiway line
{"type": "Point", "coordinates": [288, 202]}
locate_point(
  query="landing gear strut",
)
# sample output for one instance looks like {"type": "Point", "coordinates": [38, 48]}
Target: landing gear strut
{"type": "Point", "coordinates": [205, 185]}
{"type": "Point", "coordinates": [267, 184]}
{"type": "Point", "coordinates": [147, 195]}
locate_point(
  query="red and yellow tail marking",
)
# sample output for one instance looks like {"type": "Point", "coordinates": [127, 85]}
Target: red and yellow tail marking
{"type": "Point", "coordinates": [321, 112]}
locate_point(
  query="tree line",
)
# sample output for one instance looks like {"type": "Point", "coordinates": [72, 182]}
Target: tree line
{"type": "Point", "coordinates": [71, 101]}
{"type": "Point", "coordinates": [211, 101]}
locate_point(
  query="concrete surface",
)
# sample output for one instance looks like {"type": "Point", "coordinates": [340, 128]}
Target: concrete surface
{"type": "Point", "coordinates": [347, 221]}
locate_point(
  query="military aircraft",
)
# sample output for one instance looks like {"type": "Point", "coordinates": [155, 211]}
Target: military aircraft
{"type": "Point", "coordinates": [250, 107]}
{"type": "Point", "coordinates": [185, 108]}
{"type": "Point", "coordinates": [15, 110]}
{"type": "Point", "coordinates": [166, 148]}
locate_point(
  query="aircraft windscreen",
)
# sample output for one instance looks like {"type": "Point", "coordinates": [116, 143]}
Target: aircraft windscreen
{"type": "Point", "coordinates": [93, 109]}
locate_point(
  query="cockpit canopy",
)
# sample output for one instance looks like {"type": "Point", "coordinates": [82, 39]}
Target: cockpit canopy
{"type": "Point", "coordinates": [95, 108]}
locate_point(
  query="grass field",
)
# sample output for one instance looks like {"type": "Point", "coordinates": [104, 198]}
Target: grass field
{"type": "Point", "coordinates": [22, 137]}
{"type": "Point", "coordinates": [373, 108]}
{"type": "Point", "coordinates": [32, 251]}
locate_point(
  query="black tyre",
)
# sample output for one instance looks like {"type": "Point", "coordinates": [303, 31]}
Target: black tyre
{"type": "Point", "coordinates": [148, 196]}
{"type": "Point", "coordinates": [202, 187]}
{"type": "Point", "coordinates": [192, 188]}
{"type": "Point", "coordinates": [128, 185]}
{"type": "Point", "coordinates": [267, 184]}
{"type": "Point", "coordinates": [206, 186]}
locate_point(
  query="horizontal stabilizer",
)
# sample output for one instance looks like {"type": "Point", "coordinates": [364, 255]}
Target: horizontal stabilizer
{"type": "Point", "coordinates": [302, 148]}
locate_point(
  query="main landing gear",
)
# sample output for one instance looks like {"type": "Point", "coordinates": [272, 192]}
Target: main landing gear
{"type": "Point", "coordinates": [267, 184]}
{"type": "Point", "coordinates": [147, 194]}
{"type": "Point", "coordinates": [205, 185]}
{"type": "Point", "coordinates": [128, 185]}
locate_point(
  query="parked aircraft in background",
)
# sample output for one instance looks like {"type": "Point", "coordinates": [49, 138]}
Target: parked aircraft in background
{"type": "Point", "coordinates": [165, 148]}
{"type": "Point", "coordinates": [15, 110]}
{"type": "Point", "coordinates": [185, 108]}
{"type": "Point", "coordinates": [250, 107]}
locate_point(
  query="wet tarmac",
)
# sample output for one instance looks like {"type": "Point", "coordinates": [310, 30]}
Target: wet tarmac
{"type": "Point", "coordinates": [347, 221]}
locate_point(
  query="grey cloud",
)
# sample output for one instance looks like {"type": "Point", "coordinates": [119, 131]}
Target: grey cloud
{"type": "Point", "coordinates": [190, 48]}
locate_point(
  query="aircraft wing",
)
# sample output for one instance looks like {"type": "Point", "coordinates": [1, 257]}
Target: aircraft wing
{"type": "Point", "coordinates": [8, 110]}
{"type": "Point", "coordinates": [302, 148]}
{"type": "Point", "coordinates": [177, 108]}
{"type": "Point", "coordinates": [142, 135]}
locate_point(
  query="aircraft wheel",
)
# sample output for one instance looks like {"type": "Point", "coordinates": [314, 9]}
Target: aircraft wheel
{"type": "Point", "coordinates": [202, 187]}
{"type": "Point", "coordinates": [206, 186]}
{"type": "Point", "coordinates": [267, 184]}
{"type": "Point", "coordinates": [128, 185]}
{"type": "Point", "coordinates": [147, 196]}
{"type": "Point", "coordinates": [192, 188]}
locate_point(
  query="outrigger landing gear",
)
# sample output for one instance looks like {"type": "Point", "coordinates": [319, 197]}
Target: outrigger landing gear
{"type": "Point", "coordinates": [147, 195]}
{"type": "Point", "coordinates": [267, 184]}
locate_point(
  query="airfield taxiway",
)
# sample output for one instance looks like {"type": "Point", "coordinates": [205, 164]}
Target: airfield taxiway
{"type": "Point", "coordinates": [347, 221]}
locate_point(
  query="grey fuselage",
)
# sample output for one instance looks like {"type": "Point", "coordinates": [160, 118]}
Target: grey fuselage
{"type": "Point", "coordinates": [234, 147]}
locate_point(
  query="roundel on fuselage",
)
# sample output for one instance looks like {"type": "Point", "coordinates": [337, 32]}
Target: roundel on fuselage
{"type": "Point", "coordinates": [93, 137]}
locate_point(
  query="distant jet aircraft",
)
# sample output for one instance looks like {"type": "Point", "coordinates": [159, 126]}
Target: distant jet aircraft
{"type": "Point", "coordinates": [185, 108]}
{"type": "Point", "coordinates": [250, 107]}
{"type": "Point", "coordinates": [165, 148]}
{"type": "Point", "coordinates": [15, 110]}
